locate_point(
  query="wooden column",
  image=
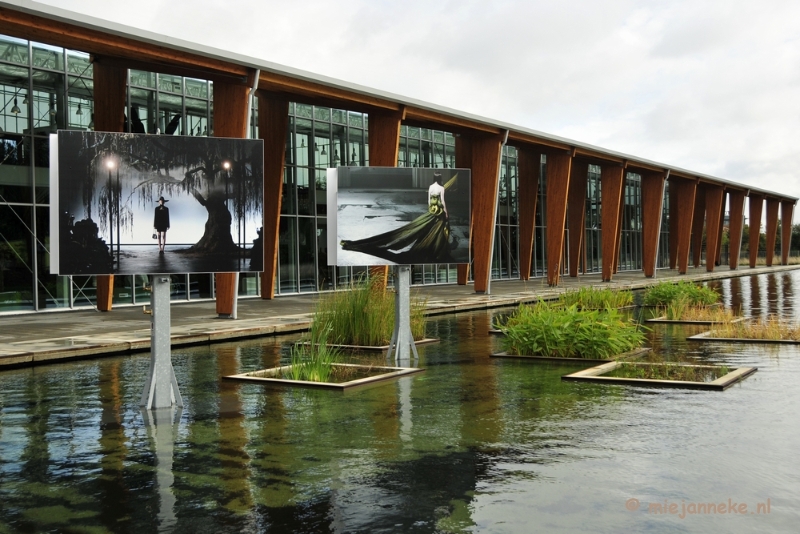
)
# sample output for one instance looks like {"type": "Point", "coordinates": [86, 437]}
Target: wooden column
{"type": "Point", "coordinates": [718, 252]}
{"type": "Point", "coordinates": [652, 208]}
{"type": "Point", "coordinates": [621, 209]}
{"type": "Point", "coordinates": [697, 225]}
{"type": "Point", "coordinates": [576, 205]}
{"type": "Point", "coordinates": [612, 185]}
{"type": "Point", "coordinates": [672, 223]}
{"type": "Point", "coordinates": [464, 161]}
{"type": "Point", "coordinates": [529, 164]}
{"type": "Point", "coordinates": [109, 116]}
{"type": "Point", "coordinates": [273, 120]}
{"type": "Point", "coordinates": [684, 212]}
{"type": "Point", "coordinates": [737, 199]}
{"type": "Point", "coordinates": [230, 117]}
{"type": "Point", "coordinates": [384, 148]}
{"type": "Point", "coordinates": [787, 210]}
{"type": "Point", "coordinates": [773, 206]}
{"type": "Point", "coordinates": [754, 236]}
{"type": "Point", "coordinates": [486, 154]}
{"type": "Point", "coordinates": [557, 175]}
{"type": "Point", "coordinates": [715, 196]}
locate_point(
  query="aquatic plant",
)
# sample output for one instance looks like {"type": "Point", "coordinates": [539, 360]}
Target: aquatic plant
{"type": "Point", "coordinates": [363, 314]}
{"type": "Point", "coordinates": [665, 292]}
{"type": "Point", "coordinates": [772, 329]}
{"type": "Point", "coordinates": [681, 310]}
{"type": "Point", "coordinates": [668, 371]}
{"type": "Point", "coordinates": [314, 360]}
{"type": "Point", "coordinates": [596, 298]}
{"type": "Point", "coordinates": [567, 332]}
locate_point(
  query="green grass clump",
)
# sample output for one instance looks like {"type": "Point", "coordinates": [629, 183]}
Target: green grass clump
{"type": "Point", "coordinates": [313, 361]}
{"type": "Point", "coordinates": [364, 314]}
{"type": "Point", "coordinates": [666, 292]}
{"type": "Point", "coordinates": [544, 330]}
{"type": "Point", "coordinates": [668, 371]}
{"type": "Point", "coordinates": [594, 299]}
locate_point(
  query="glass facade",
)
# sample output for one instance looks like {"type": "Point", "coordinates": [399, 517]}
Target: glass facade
{"type": "Point", "coordinates": [45, 88]}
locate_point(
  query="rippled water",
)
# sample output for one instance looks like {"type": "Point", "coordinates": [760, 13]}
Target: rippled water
{"type": "Point", "coordinates": [473, 444]}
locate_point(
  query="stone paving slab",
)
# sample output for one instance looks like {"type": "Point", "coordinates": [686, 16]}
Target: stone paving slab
{"type": "Point", "coordinates": [30, 338]}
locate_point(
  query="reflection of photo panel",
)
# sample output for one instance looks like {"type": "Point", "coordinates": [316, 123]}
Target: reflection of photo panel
{"type": "Point", "coordinates": [402, 216]}
{"type": "Point", "coordinates": [109, 190]}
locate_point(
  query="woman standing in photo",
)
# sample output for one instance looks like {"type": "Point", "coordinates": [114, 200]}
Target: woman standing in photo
{"type": "Point", "coordinates": [161, 224]}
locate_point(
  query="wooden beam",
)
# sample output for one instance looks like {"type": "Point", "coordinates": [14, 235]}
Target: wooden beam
{"type": "Point", "coordinates": [384, 149]}
{"type": "Point", "coordinates": [576, 206]}
{"type": "Point", "coordinates": [754, 236]}
{"type": "Point", "coordinates": [787, 210]}
{"type": "Point", "coordinates": [715, 202]}
{"type": "Point", "coordinates": [620, 211]}
{"type": "Point", "coordinates": [464, 161]}
{"type": "Point", "coordinates": [557, 175]}
{"type": "Point", "coordinates": [109, 116]}
{"type": "Point", "coordinates": [273, 121]}
{"type": "Point", "coordinates": [486, 157]}
{"type": "Point", "coordinates": [611, 188]}
{"type": "Point", "coordinates": [529, 165]}
{"type": "Point", "coordinates": [684, 202]}
{"type": "Point", "coordinates": [441, 121]}
{"type": "Point", "coordinates": [697, 224]}
{"type": "Point", "coordinates": [737, 199]}
{"type": "Point", "coordinates": [652, 208]}
{"type": "Point", "coordinates": [230, 118]}
{"type": "Point", "coordinates": [718, 250]}
{"type": "Point", "coordinates": [773, 206]}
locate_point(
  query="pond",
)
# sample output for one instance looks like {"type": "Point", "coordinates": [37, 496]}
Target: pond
{"type": "Point", "coordinates": [474, 444]}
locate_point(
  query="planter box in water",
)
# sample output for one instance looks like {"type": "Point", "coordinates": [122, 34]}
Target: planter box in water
{"type": "Point", "coordinates": [601, 372]}
{"type": "Point", "coordinates": [371, 348]}
{"type": "Point", "coordinates": [352, 376]}
{"type": "Point", "coordinates": [635, 353]}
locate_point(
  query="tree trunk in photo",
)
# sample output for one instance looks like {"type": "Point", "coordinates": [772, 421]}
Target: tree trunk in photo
{"type": "Point", "coordinates": [217, 236]}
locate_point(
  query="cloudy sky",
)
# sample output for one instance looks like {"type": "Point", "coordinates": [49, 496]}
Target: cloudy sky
{"type": "Point", "coordinates": [710, 85]}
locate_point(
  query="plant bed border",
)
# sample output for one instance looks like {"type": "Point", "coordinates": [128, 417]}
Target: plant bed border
{"type": "Point", "coordinates": [373, 348]}
{"type": "Point", "coordinates": [624, 356]}
{"type": "Point", "coordinates": [391, 373]}
{"type": "Point", "coordinates": [664, 320]}
{"type": "Point", "coordinates": [722, 383]}
{"type": "Point", "coordinates": [705, 336]}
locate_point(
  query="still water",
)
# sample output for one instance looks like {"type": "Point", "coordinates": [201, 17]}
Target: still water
{"type": "Point", "coordinates": [474, 444]}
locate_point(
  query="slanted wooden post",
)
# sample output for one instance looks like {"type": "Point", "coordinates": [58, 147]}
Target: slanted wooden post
{"type": "Point", "coordinates": [736, 227]}
{"type": "Point", "coordinates": [576, 205]}
{"type": "Point", "coordinates": [715, 196]}
{"type": "Point", "coordinates": [787, 210]}
{"type": "Point", "coordinates": [486, 158]}
{"type": "Point", "coordinates": [612, 184]}
{"type": "Point", "coordinates": [754, 235]}
{"type": "Point", "coordinates": [529, 162]}
{"type": "Point", "coordinates": [697, 224]}
{"type": "Point", "coordinates": [684, 211]}
{"type": "Point", "coordinates": [773, 206]}
{"type": "Point", "coordinates": [557, 175]}
{"type": "Point", "coordinates": [464, 161]}
{"type": "Point", "coordinates": [652, 208]}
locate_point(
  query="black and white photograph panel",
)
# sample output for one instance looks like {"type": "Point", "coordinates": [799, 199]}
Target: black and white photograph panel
{"type": "Point", "coordinates": [132, 204]}
{"type": "Point", "coordinates": [402, 216]}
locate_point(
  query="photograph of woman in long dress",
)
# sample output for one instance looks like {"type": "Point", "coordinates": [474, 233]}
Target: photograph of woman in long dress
{"type": "Point", "coordinates": [427, 238]}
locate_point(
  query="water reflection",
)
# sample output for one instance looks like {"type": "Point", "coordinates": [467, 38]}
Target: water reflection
{"type": "Point", "coordinates": [474, 443]}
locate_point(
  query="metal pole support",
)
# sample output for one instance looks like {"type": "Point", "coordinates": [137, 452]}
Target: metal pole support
{"type": "Point", "coordinates": [402, 344]}
{"type": "Point", "coordinates": [161, 388]}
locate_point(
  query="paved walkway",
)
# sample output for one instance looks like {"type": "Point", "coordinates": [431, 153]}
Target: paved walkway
{"type": "Point", "coordinates": [28, 339]}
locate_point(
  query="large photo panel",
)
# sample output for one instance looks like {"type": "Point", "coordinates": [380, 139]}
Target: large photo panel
{"type": "Point", "coordinates": [399, 216]}
{"type": "Point", "coordinates": [138, 204]}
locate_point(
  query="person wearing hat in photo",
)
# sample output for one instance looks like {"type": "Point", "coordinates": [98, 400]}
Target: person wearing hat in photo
{"type": "Point", "coordinates": [161, 223]}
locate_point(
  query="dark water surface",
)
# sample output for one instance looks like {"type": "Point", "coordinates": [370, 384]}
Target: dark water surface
{"type": "Point", "coordinates": [474, 444]}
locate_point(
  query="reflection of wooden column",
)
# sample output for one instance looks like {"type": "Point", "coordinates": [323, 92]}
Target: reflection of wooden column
{"type": "Point", "coordinates": [384, 148]}
{"type": "Point", "coordinates": [486, 154]}
{"type": "Point", "coordinates": [230, 117]}
{"type": "Point", "coordinates": [652, 208]}
{"type": "Point", "coordinates": [576, 203]}
{"type": "Point", "coordinates": [737, 199]}
{"type": "Point", "coordinates": [787, 210]}
{"type": "Point", "coordinates": [773, 206]}
{"type": "Point", "coordinates": [109, 116]}
{"type": "Point", "coordinates": [557, 175]}
{"type": "Point", "coordinates": [718, 252]}
{"type": "Point", "coordinates": [684, 210]}
{"type": "Point", "coordinates": [273, 119]}
{"type": "Point", "coordinates": [697, 225]}
{"type": "Point", "coordinates": [672, 223]}
{"type": "Point", "coordinates": [715, 195]}
{"type": "Point", "coordinates": [529, 163]}
{"type": "Point", "coordinates": [754, 237]}
{"type": "Point", "coordinates": [613, 182]}
{"type": "Point", "coordinates": [464, 161]}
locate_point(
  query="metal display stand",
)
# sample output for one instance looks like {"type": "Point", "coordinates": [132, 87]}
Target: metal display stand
{"type": "Point", "coordinates": [161, 389]}
{"type": "Point", "coordinates": [402, 344]}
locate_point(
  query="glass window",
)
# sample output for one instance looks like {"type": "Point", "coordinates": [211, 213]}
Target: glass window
{"type": "Point", "coordinates": [141, 78]}
{"type": "Point", "coordinates": [15, 177]}
{"type": "Point", "coordinates": [196, 88]}
{"type": "Point", "coordinates": [196, 117]}
{"type": "Point", "coordinates": [13, 50]}
{"type": "Point", "coordinates": [287, 256]}
{"type": "Point", "coordinates": [170, 84]}
{"type": "Point", "coordinates": [48, 57]}
{"type": "Point", "coordinates": [79, 63]}
{"type": "Point", "coordinates": [16, 258]}
{"type": "Point", "coordinates": [141, 111]}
